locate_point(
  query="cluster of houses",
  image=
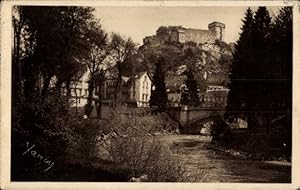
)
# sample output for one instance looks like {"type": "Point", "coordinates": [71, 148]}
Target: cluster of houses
{"type": "Point", "coordinates": [136, 91]}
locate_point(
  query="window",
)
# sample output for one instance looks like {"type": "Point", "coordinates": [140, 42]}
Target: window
{"type": "Point", "coordinates": [145, 84]}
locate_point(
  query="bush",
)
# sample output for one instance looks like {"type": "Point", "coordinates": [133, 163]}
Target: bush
{"type": "Point", "coordinates": [47, 123]}
{"type": "Point", "coordinates": [138, 149]}
{"type": "Point", "coordinates": [260, 143]}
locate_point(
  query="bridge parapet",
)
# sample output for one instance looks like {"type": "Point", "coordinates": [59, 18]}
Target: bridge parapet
{"type": "Point", "coordinates": [186, 116]}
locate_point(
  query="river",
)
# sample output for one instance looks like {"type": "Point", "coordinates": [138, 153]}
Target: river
{"type": "Point", "coordinates": [204, 164]}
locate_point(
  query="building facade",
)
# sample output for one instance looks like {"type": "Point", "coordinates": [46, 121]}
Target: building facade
{"type": "Point", "coordinates": [140, 89]}
{"type": "Point", "coordinates": [215, 96]}
{"type": "Point", "coordinates": [78, 90]}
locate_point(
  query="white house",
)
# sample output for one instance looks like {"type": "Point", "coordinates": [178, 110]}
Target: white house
{"type": "Point", "coordinates": [140, 89]}
{"type": "Point", "coordinates": [79, 91]}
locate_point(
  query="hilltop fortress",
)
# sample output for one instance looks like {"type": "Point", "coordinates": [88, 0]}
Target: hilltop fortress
{"type": "Point", "coordinates": [180, 34]}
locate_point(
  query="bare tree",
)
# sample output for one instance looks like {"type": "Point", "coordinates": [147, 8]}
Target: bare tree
{"type": "Point", "coordinates": [95, 62]}
{"type": "Point", "coordinates": [122, 50]}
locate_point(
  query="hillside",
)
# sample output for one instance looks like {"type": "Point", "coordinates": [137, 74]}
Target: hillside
{"type": "Point", "coordinates": [210, 61]}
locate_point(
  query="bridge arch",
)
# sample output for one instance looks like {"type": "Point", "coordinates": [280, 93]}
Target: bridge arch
{"type": "Point", "coordinates": [192, 119]}
{"type": "Point", "coordinates": [195, 126]}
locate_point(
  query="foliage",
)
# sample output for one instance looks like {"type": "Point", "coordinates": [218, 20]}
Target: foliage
{"type": "Point", "coordinates": [148, 55]}
{"type": "Point", "coordinates": [58, 134]}
{"type": "Point", "coordinates": [256, 75]}
{"type": "Point", "coordinates": [46, 123]}
{"type": "Point", "coordinates": [190, 95]}
{"type": "Point", "coordinates": [211, 59]}
{"type": "Point", "coordinates": [49, 44]}
{"type": "Point", "coordinates": [163, 33]}
{"type": "Point", "coordinates": [96, 59]}
{"type": "Point", "coordinates": [261, 75]}
{"type": "Point", "coordinates": [159, 97]}
{"type": "Point", "coordinates": [223, 45]}
{"type": "Point", "coordinates": [281, 57]}
{"type": "Point", "coordinates": [122, 52]}
{"type": "Point", "coordinates": [137, 148]}
{"type": "Point", "coordinates": [53, 40]}
{"type": "Point", "coordinates": [241, 60]}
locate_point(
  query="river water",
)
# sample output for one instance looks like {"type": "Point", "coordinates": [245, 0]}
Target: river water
{"type": "Point", "coordinates": [204, 164]}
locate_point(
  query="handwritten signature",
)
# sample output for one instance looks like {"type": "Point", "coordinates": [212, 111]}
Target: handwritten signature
{"type": "Point", "coordinates": [38, 156]}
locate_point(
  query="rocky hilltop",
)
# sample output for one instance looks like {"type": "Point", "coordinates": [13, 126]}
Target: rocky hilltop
{"type": "Point", "coordinates": [211, 60]}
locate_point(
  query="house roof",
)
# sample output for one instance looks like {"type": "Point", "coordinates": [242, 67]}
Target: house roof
{"type": "Point", "coordinates": [128, 79]}
{"type": "Point", "coordinates": [139, 75]}
{"type": "Point", "coordinates": [125, 79]}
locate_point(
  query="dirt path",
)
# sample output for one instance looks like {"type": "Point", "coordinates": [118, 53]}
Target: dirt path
{"type": "Point", "coordinates": [207, 165]}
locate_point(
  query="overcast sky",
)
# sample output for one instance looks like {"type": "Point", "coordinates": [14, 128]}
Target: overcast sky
{"type": "Point", "coordinates": [138, 22]}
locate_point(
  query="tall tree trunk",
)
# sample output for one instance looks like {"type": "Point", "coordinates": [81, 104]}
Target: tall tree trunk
{"type": "Point", "coordinates": [91, 87]}
{"type": "Point", "coordinates": [68, 90]}
{"type": "Point", "coordinates": [30, 79]}
{"type": "Point", "coordinates": [119, 83]}
{"type": "Point", "coordinates": [99, 108]}
{"type": "Point", "coordinates": [90, 91]}
{"type": "Point", "coordinates": [58, 85]}
{"type": "Point", "coordinates": [76, 100]}
{"type": "Point", "coordinates": [46, 85]}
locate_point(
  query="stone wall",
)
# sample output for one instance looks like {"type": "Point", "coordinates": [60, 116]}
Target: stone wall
{"type": "Point", "coordinates": [217, 28]}
{"type": "Point", "coordinates": [199, 36]}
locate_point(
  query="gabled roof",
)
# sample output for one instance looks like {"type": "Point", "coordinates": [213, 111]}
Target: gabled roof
{"type": "Point", "coordinates": [139, 75]}
{"type": "Point", "coordinates": [125, 79]}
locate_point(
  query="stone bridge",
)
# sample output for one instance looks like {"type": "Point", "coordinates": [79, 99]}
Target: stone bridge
{"type": "Point", "coordinates": [192, 119]}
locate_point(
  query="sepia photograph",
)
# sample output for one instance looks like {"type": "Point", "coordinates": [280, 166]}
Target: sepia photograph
{"type": "Point", "coordinates": [199, 94]}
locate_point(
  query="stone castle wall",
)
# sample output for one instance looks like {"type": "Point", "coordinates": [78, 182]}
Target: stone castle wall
{"type": "Point", "coordinates": [180, 34]}
{"type": "Point", "coordinates": [197, 36]}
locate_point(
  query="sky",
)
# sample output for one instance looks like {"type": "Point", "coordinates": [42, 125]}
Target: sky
{"type": "Point", "coordinates": [138, 22]}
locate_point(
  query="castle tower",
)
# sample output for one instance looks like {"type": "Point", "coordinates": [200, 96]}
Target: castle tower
{"type": "Point", "coordinates": [218, 28]}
